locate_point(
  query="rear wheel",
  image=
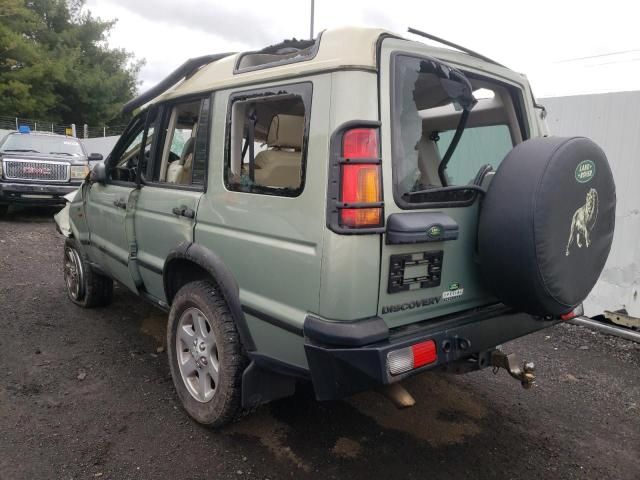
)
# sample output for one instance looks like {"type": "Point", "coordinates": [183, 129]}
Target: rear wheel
{"type": "Point", "coordinates": [205, 355]}
{"type": "Point", "coordinates": [84, 286]}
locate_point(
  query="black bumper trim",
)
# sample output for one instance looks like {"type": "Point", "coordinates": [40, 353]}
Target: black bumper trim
{"type": "Point", "coordinates": [352, 334]}
{"type": "Point", "coordinates": [13, 192]}
{"type": "Point", "coordinates": [338, 371]}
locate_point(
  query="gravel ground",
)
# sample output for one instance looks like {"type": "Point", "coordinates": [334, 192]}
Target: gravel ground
{"type": "Point", "coordinates": [88, 394]}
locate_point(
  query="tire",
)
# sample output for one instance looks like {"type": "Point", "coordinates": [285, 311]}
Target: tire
{"type": "Point", "coordinates": [3, 210]}
{"type": "Point", "coordinates": [201, 334]}
{"type": "Point", "coordinates": [85, 287]}
{"type": "Point", "coordinates": [546, 224]}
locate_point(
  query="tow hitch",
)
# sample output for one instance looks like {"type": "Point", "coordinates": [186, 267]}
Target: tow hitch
{"type": "Point", "coordinates": [512, 365]}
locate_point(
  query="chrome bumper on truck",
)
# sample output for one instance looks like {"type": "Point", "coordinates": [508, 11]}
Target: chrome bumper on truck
{"type": "Point", "coordinates": [349, 357]}
{"type": "Point", "coordinates": [35, 193]}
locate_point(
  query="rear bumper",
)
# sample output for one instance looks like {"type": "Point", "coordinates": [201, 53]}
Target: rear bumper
{"type": "Point", "coordinates": [35, 193]}
{"type": "Point", "coordinates": [341, 365]}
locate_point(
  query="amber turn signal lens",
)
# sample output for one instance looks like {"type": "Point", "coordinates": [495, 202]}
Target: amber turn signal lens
{"type": "Point", "coordinates": [361, 184]}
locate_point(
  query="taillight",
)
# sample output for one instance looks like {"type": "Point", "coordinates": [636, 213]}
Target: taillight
{"type": "Point", "coordinates": [410, 358]}
{"type": "Point", "coordinates": [359, 143]}
{"type": "Point", "coordinates": [360, 179]}
{"type": "Point", "coordinates": [576, 312]}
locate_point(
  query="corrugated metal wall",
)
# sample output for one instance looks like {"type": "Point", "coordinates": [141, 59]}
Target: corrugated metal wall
{"type": "Point", "coordinates": [613, 121]}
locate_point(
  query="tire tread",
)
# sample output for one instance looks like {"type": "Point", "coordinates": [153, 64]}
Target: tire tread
{"type": "Point", "coordinates": [233, 364]}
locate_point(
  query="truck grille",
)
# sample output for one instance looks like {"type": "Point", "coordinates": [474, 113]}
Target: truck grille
{"type": "Point", "coordinates": [36, 171]}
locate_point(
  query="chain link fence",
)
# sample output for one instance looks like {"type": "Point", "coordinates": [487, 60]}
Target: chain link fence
{"type": "Point", "coordinates": [80, 131]}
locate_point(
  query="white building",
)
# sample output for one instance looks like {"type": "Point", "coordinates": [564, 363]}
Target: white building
{"type": "Point", "coordinates": [612, 120]}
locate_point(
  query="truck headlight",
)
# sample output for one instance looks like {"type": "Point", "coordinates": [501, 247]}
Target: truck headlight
{"type": "Point", "coordinates": [79, 172]}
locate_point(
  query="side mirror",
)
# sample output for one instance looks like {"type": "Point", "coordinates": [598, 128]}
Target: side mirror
{"type": "Point", "coordinates": [95, 157]}
{"type": "Point", "coordinates": [99, 173]}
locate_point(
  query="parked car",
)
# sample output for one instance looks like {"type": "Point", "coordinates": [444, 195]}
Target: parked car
{"type": "Point", "coordinates": [40, 168]}
{"type": "Point", "coordinates": [350, 210]}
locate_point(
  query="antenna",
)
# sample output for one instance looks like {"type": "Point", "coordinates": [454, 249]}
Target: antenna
{"type": "Point", "coordinates": [312, 13]}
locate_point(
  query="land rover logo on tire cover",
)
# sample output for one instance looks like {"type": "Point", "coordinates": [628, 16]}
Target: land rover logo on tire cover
{"type": "Point", "coordinates": [585, 171]}
{"type": "Point", "coordinates": [434, 231]}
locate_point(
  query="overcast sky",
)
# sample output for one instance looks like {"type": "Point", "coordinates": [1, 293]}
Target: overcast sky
{"type": "Point", "coordinates": [565, 47]}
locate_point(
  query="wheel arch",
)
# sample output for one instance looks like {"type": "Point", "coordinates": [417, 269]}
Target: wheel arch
{"type": "Point", "coordinates": [190, 262]}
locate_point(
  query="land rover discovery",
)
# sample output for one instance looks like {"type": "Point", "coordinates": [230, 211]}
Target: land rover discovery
{"type": "Point", "coordinates": [349, 210]}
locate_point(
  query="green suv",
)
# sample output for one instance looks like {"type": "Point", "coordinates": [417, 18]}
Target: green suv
{"type": "Point", "coordinates": [349, 210]}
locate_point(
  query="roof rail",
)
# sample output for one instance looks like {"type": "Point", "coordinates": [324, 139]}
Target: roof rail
{"type": "Point", "coordinates": [183, 71]}
{"type": "Point", "coordinates": [453, 45]}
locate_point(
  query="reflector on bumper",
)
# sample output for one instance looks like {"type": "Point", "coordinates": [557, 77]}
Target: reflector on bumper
{"type": "Point", "coordinates": [409, 358]}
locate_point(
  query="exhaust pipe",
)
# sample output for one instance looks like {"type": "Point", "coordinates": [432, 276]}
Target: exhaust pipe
{"type": "Point", "coordinates": [398, 395]}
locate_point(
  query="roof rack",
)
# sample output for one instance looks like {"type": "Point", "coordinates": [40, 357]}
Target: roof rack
{"type": "Point", "coordinates": [453, 45]}
{"type": "Point", "coordinates": [185, 70]}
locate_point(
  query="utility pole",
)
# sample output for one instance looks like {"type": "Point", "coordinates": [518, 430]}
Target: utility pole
{"type": "Point", "coordinates": [312, 12]}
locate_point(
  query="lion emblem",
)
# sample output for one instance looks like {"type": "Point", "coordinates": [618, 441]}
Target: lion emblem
{"type": "Point", "coordinates": [583, 221]}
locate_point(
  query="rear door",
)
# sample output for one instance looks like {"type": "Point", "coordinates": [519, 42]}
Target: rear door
{"type": "Point", "coordinates": [172, 185]}
{"type": "Point", "coordinates": [429, 264]}
{"type": "Point", "coordinates": [261, 214]}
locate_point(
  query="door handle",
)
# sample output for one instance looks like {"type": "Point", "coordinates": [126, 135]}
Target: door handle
{"type": "Point", "coordinates": [120, 204]}
{"type": "Point", "coordinates": [184, 212]}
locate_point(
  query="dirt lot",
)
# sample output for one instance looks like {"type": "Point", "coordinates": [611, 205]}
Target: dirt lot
{"type": "Point", "coordinates": [87, 394]}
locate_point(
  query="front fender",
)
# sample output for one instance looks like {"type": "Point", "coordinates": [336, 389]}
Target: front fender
{"type": "Point", "coordinates": [62, 218]}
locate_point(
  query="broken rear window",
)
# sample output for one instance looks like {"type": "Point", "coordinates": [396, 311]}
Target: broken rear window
{"type": "Point", "coordinates": [429, 99]}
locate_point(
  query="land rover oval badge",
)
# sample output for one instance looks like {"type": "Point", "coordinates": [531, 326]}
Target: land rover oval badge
{"type": "Point", "coordinates": [435, 231]}
{"type": "Point", "coordinates": [585, 171]}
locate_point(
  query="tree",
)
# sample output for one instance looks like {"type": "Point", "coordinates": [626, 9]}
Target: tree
{"type": "Point", "coordinates": [55, 63]}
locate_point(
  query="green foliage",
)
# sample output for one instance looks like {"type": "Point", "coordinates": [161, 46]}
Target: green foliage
{"type": "Point", "coordinates": [55, 63]}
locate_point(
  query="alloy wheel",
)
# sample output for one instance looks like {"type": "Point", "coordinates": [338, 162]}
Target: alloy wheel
{"type": "Point", "coordinates": [197, 351]}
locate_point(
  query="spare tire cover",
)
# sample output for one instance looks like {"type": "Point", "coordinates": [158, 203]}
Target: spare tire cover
{"type": "Point", "coordinates": [546, 224]}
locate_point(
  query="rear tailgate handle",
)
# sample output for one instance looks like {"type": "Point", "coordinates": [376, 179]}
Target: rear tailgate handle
{"type": "Point", "coordinates": [420, 227]}
{"type": "Point", "coordinates": [120, 204]}
{"type": "Point", "coordinates": [184, 212]}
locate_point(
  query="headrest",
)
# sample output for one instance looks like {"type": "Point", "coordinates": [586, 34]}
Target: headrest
{"type": "Point", "coordinates": [286, 131]}
{"type": "Point", "coordinates": [188, 147]}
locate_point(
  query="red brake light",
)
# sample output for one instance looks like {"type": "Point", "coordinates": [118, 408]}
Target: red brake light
{"type": "Point", "coordinates": [424, 353]}
{"type": "Point", "coordinates": [361, 182]}
{"type": "Point", "coordinates": [576, 312]}
{"type": "Point", "coordinates": [360, 143]}
{"type": "Point", "coordinates": [412, 357]}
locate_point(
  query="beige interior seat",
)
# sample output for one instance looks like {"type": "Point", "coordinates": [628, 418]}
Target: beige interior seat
{"type": "Point", "coordinates": [280, 165]}
{"type": "Point", "coordinates": [179, 171]}
{"type": "Point", "coordinates": [428, 161]}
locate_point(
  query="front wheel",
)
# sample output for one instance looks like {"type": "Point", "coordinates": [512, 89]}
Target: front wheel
{"type": "Point", "coordinates": [205, 355]}
{"type": "Point", "coordinates": [84, 286]}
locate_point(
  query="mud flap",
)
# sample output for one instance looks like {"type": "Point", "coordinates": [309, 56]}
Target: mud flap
{"type": "Point", "coordinates": [260, 386]}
